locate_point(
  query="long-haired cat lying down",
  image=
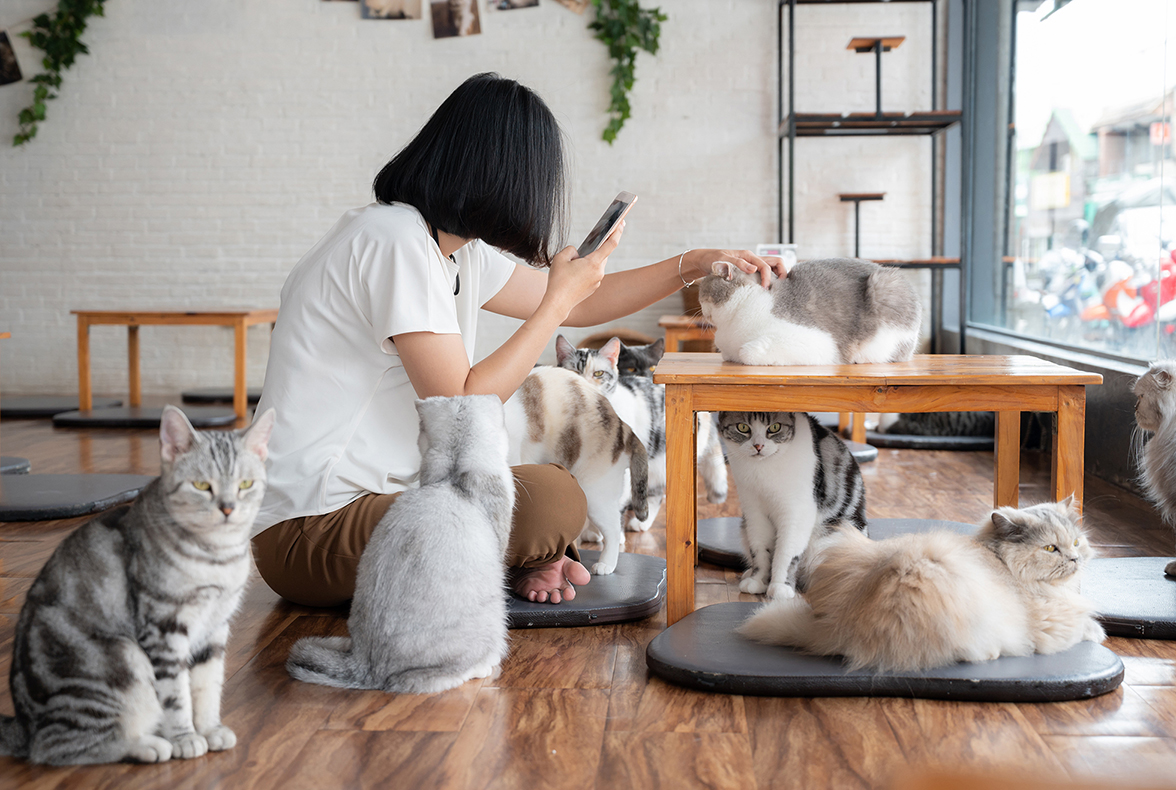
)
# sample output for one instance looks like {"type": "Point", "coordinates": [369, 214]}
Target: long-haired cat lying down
{"type": "Point", "coordinates": [838, 311]}
{"type": "Point", "coordinates": [914, 602]}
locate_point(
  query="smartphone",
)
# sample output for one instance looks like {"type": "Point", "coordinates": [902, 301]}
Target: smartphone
{"type": "Point", "coordinates": [608, 220]}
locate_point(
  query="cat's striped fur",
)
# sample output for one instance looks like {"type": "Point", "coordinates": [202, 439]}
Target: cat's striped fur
{"type": "Point", "coordinates": [558, 417]}
{"type": "Point", "coordinates": [796, 481]}
{"type": "Point", "coordinates": [119, 649]}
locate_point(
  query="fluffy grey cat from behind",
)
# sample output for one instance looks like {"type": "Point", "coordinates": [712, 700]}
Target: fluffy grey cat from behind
{"type": "Point", "coordinates": [404, 636]}
{"type": "Point", "coordinates": [1155, 409]}
{"type": "Point", "coordinates": [838, 311]}
{"type": "Point", "coordinates": [924, 600]}
{"type": "Point", "coordinates": [119, 649]}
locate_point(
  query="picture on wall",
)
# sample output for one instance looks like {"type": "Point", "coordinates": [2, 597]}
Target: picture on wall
{"type": "Point", "coordinates": [9, 68]}
{"type": "Point", "coordinates": [510, 5]}
{"type": "Point", "coordinates": [576, 5]}
{"type": "Point", "coordinates": [391, 9]}
{"type": "Point", "coordinates": [455, 18]}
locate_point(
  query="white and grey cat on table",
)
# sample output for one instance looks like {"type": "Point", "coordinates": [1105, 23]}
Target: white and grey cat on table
{"type": "Point", "coordinates": [837, 311]}
{"type": "Point", "coordinates": [1155, 412]}
{"type": "Point", "coordinates": [403, 637]}
{"type": "Point", "coordinates": [642, 405]}
{"type": "Point", "coordinates": [120, 646]}
{"type": "Point", "coordinates": [924, 600]}
{"type": "Point", "coordinates": [796, 482]}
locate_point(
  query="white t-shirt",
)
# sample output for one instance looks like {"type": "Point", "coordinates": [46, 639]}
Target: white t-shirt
{"type": "Point", "coordinates": [346, 420]}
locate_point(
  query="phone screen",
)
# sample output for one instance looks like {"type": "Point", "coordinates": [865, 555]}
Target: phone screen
{"type": "Point", "coordinates": [604, 226]}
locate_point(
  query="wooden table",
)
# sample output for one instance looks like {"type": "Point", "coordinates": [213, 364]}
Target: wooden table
{"type": "Point", "coordinates": [1006, 385]}
{"type": "Point", "coordinates": [680, 328]}
{"type": "Point", "coordinates": [239, 320]}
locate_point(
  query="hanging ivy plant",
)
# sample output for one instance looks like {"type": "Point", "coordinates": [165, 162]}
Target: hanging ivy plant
{"type": "Point", "coordinates": [624, 27]}
{"type": "Point", "coordinates": [58, 35]}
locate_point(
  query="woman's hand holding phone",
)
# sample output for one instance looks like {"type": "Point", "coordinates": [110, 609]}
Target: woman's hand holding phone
{"type": "Point", "coordinates": [573, 279]}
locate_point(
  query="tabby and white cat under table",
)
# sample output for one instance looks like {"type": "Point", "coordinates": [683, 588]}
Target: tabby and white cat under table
{"type": "Point", "coordinates": [1006, 385]}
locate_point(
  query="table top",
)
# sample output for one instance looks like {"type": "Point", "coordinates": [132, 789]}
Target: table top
{"type": "Point", "coordinates": [925, 263]}
{"type": "Point", "coordinates": [684, 321]}
{"type": "Point", "coordinates": [923, 369]}
{"type": "Point", "coordinates": [180, 316]}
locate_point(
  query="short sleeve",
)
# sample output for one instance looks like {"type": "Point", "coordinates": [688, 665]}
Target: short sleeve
{"type": "Point", "coordinates": [496, 269]}
{"type": "Point", "coordinates": [403, 286]}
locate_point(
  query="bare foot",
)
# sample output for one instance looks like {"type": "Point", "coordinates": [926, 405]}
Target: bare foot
{"type": "Point", "coordinates": [549, 582]}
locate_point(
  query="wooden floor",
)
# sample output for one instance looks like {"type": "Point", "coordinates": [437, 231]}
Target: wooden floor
{"type": "Point", "coordinates": [576, 708]}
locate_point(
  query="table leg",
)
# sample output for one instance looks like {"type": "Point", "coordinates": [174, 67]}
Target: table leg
{"type": "Point", "coordinates": [858, 432]}
{"type": "Point", "coordinates": [136, 382]}
{"type": "Point", "coordinates": [1069, 445]}
{"type": "Point", "coordinates": [85, 394]}
{"type": "Point", "coordinates": [673, 339]}
{"type": "Point", "coordinates": [681, 519]}
{"type": "Point", "coordinates": [1007, 471]}
{"type": "Point", "coordinates": [844, 420]}
{"type": "Point", "coordinates": [240, 395]}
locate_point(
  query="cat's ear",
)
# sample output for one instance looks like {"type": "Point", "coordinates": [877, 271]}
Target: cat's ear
{"type": "Point", "coordinates": [176, 434]}
{"type": "Point", "coordinates": [1069, 507]}
{"type": "Point", "coordinates": [1004, 528]}
{"type": "Point", "coordinates": [1163, 378]}
{"type": "Point", "coordinates": [611, 351]}
{"type": "Point", "coordinates": [656, 351]}
{"type": "Point", "coordinates": [563, 349]}
{"type": "Point", "coordinates": [257, 435]}
{"type": "Point", "coordinates": [723, 269]}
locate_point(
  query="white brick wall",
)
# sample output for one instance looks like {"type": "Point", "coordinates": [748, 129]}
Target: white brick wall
{"type": "Point", "coordinates": [202, 147]}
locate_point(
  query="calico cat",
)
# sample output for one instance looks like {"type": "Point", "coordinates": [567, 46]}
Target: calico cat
{"type": "Point", "coordinates": [558, 417]}
{"type": "Point", "coordinates": [119, 649]}
{"type": "Point", "coordinates": [455, 525]}
{"type": "Point", "coordinates": [1155, 405]}
{"type": "Point", "coordinates": [642, 405]}
{"type": "Point", "coordinates": [796, 481]}
{"type": "Point", "coordinates": [925, 600]}
{"type": "Point", "coordinates": [837, 311]}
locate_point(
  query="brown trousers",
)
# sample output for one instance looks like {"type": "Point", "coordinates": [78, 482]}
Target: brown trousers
{"type": "Point", "coordinates": [313, 560]}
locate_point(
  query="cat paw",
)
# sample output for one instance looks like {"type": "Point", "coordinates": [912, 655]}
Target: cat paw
{"type": "Point", "coordinates": [752, 586]}
{"type": "Point", "coordinates": [603, 568]}
{"type": "Point", "coordinates": [188, 745]}
{"type": "Point", "coordinates": [150, 749]}
{"type": "Point", "coordinates": [637, 525]}
{"type": "Point", "coordinates": [1170, 568]}
{"type": "Point", "coordinates": [1094, 632]}
{"type": "Point", "coordinates": [716, 497]}
{"type": "Point", "coordinates": [220, 738]}
{"type": "Point", "coordinates": [780, 592]}
{"type": "Point", "coordinates": [756, 352]}
{"type": "Point", "coordinates": [591, 536]}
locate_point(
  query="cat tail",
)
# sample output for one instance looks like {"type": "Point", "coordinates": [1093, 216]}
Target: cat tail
{"type": "Point", "coordinates": [14, 738]}
{"type": "Point", "coordinates": [638, 474]}
{"type": "Point", "coordinates": [328, 661]}
{"type": "Point", "coordinates": [789, 622]}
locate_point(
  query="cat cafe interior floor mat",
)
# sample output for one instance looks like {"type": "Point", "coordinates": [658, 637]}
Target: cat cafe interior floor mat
{"type": "Point", "coordinates": [862, 453]}
{"type": "Point", "coordinates": [12, 465]}
{"type": "Point", "coordinates": [143, 417]}
{"type": "Point", "coordinates": [46, 497]}
{"type": "Point", "coordinates": [1133, 596]}
{"type": "Point", "coordinates": [636, 589]}
{"type": "Point", "coordinates": [910, 441]}
{"type": "Point", "coordinates": [720, 543]}
{"type": "Point", "coordinates": [217, 395]}
{"type": "Point", "coordinates": [39, 407]}
{"type": "Point", "coordinates": [703, 652]}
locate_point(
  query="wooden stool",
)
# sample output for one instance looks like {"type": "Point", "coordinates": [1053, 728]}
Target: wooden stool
{"type": "Point", "coordinates": [680, 328]}
{"type": "Point", "coordinates": [1006, 385]}
{"type": "Point", "coordinates": [239, 320]}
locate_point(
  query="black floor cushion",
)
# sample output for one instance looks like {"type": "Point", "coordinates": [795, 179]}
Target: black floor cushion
{"type": "Point", "coordinates": [47, 497]}
{"type": "Point", "coordinates": [37, 407]}
{"type": "Point", "coordinates": [909, 441]}
{"type": "Point", "coordinates": [1133, 596]}
{"type": "Point", "coordinates": [635, 590]}
{"type": "Point", "coordinates": [703, 652]}
{"type": "Point", "coordinates": [862, 453]}
{"type": "Point", "coordinates": [217, 395]}
{"type": "Point", "coordinates": [12, 465]}
{"type": "Point", "coordinates": [143, 417]}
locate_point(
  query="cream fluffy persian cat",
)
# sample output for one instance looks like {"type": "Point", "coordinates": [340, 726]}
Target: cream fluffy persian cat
{"type": "Point", "coordinates": [926, 600]}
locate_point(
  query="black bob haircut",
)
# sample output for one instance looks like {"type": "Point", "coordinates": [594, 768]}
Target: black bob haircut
{"type": "Point", "coordinates": [488, 165]}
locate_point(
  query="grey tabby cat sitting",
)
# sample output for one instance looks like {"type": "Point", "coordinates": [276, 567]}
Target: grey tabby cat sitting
{"type": "Point", "coordinates": [1155, 407]}
{"type": "Point", "coordinates": [119, 650]}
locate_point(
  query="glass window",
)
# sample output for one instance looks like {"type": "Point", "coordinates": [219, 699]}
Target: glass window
{"type": "Point", "coordinates": [1090, 259]}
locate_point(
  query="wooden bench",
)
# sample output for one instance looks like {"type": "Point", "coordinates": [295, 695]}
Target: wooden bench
{"type": "Point", "coordinates": [1006, 385]}
{"type": "Point", "coordinates": [239, 320]}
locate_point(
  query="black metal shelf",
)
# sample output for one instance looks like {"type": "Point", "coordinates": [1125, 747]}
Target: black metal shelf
{"type": "Point", "coordinates": [857, 124]}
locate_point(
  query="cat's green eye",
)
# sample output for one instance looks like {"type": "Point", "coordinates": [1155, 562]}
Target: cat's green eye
{"type": "Point", "coordinates": [245, 484]}
{"type": "Point", "coordinates": [202, 485]}
{"type": "Point", "coordinates": [775, 427]}
{"type": "Point", "coordinates": [1075, 541]}
{"type": "Point", "coordinates": [598, 374]}
{"type": "Point", "coordinates": [743, 427]}
{"type": "Point", "coordinates": [1051, 547]}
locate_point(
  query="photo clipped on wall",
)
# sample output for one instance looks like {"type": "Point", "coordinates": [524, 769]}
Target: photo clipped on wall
{"type": "Point", "coordinates": [391, 9]}
{"type": "Point", "coordinates": [9, 68]}
{"type": "Point", "coordinates": [576, 5]}
{"type": "Point", "coordinates": [455, 18]}
{"type": "Point", "coordinates": [510, 5]}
